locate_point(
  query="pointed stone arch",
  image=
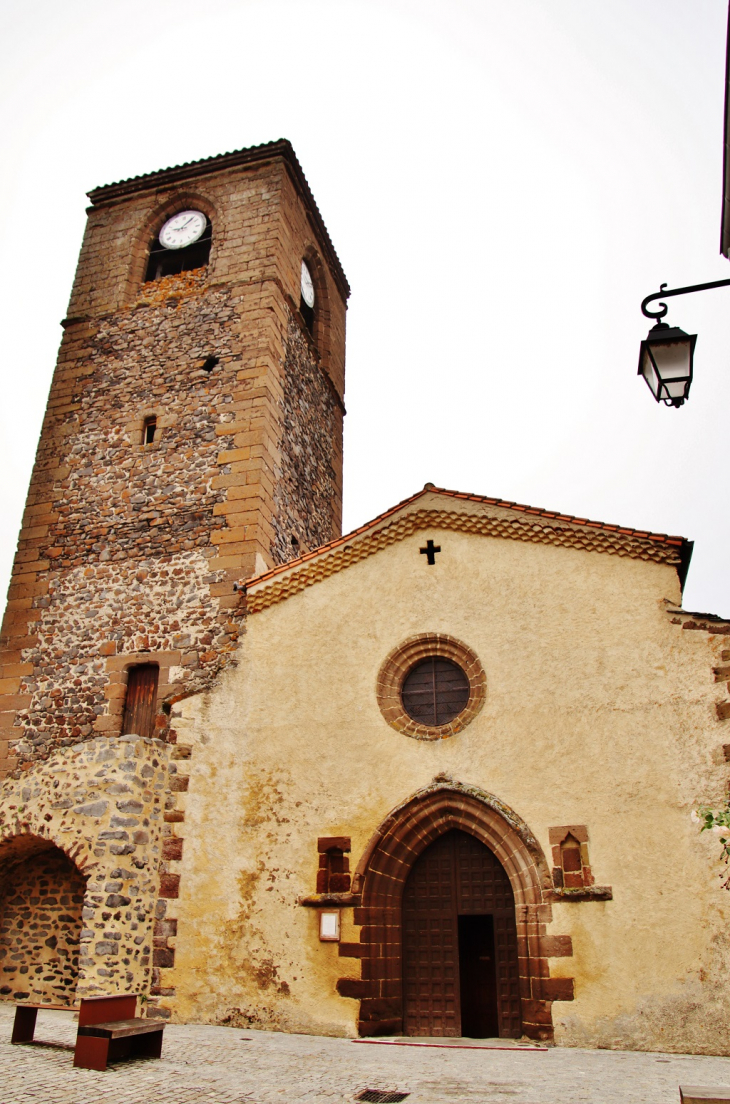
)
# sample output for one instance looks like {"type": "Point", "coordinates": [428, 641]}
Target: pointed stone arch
{"type": "Point", "coordinates": [381, 876]}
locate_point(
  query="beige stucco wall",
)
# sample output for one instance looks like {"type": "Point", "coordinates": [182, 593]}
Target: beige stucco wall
{"type": "Point", "coordinates": [599, 711]}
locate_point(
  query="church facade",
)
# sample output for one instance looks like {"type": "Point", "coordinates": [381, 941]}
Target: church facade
{"type": "Point", "coordinates": [433, 778]}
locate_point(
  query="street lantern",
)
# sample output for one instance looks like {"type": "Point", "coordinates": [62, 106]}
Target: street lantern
{"type": "Point", "coordinates": [665, 362]}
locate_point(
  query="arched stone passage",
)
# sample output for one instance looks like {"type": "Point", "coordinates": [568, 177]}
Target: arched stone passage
{"type": "Point", "coordinates": [41, 900]}
{"type": "Point", "coordinates": [381, 876]}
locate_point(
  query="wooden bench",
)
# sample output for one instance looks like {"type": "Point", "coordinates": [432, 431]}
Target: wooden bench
{"type": "Point", "coordinates": [25, 1019]}
{"type": "Point", "coordinates": [693, 1094]}
{"type": "Point", "coordinates": [98, 1044]}
{"type": "Point", "coordinates": [109, 1030]}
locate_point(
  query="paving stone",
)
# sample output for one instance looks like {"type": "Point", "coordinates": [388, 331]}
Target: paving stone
{"type": "Point", "coordinates": [230, 1066]}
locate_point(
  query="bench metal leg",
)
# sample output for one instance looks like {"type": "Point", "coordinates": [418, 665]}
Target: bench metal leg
{"type": "Point", "coordinates": [24, 1024]}
{"type": "Point", "coordinates": [91, 1052]}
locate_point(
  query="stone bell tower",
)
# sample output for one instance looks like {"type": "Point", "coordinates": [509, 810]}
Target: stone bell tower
{"type": "Point", "coordinates": [193, 438]}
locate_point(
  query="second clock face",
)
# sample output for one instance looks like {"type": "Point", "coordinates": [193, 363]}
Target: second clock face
{"type": "Point", "coordinates": [182, 229]}
{"type": "Point", "coordinates": [307, 286]}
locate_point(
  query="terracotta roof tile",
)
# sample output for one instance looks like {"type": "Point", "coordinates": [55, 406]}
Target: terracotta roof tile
{"type": "Point", "coordinates": [663, 538]}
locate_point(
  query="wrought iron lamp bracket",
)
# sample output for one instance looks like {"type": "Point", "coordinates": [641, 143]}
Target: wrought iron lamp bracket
{"type": "Point", "coordinates": [664, 294]}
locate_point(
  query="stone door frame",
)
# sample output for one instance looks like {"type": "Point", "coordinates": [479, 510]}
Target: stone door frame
{"type": "Point", "coordinates": [380, 878]}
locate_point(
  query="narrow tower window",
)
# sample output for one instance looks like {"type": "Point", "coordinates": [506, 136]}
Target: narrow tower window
{"type": "Point", "coordinates": [149, 429]}
{"type": "Point", "coordinates": [571, 862]}
{"type": "Point", "coordinates": [306, 300]}
{"type": "Point", "coordinates": [139, 707]}
{"type": "Point", "coordinates": [183, 243]}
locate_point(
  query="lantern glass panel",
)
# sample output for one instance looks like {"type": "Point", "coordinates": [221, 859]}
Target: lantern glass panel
{"type": "Point", "coordinates": [672, 360]}
{"type": "Point", "coordinates": [649, 371]}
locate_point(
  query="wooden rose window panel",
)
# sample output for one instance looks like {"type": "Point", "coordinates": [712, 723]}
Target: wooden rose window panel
{"type": "Point", "coordinates": [435, 691]}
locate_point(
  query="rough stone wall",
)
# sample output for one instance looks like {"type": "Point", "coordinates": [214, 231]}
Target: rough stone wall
{"type": "Point", "coordinates": [103, 802]}
{"type": "Point", "coordinates": [40, 924]}
{"type": "Point", "coordinates": [129, 539]}
{"type": "Point", "coordinates": [306, 482]}
{"type": "Point", "coordinates": [132, 553]}
{"type": "Point", "coordinates": [138, 605]}
{"type": "Point", "coordinates": [329, 322]}
{"type": "Point", "coordinates": [117, 497]}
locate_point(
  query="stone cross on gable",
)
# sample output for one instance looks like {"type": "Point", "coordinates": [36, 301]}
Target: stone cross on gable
{"type": "Point", "coordinates": [430, 552]}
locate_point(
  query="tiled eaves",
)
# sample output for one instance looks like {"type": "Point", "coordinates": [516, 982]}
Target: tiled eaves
{"type": "Point", "coordinates": [556, 529]}
{"type": "Point", "coordinates": [502, 503]}
{"type": "Point", "coordinates": [176, 174]}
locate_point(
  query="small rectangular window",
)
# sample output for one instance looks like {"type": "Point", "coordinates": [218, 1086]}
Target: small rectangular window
{"type": "Point", "coordinates": [149, 429]}
{"type": "Point", "coordinates": [141, 701]}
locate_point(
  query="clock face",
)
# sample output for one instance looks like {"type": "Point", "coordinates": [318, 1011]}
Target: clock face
{"type": "Point", "coordinates": [183, 229]}
{"type": "Point", "coordinates": [307, 286]}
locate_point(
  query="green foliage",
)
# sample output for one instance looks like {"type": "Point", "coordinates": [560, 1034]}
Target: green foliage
{"type": "Point", "coordinates": [718, 820]}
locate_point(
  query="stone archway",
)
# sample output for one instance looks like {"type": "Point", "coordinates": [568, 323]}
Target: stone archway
{"type": "Point", "coordinates": [41, 900]}
{"type": "Point", "coordinates": [380, 879]}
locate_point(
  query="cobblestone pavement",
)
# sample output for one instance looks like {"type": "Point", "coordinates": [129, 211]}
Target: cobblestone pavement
{"type": "Point", "coordinates": [221, 1065]}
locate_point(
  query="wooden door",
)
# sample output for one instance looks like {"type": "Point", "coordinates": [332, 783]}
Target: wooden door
{"type": "Point", "coordinates": [139, 707]}
{"type": "Point", "coordinates": [483, 888]}
{"type": "Point", "coordinates": [444, 982]}
{"type": "Point", "coordinates": [430, 944]}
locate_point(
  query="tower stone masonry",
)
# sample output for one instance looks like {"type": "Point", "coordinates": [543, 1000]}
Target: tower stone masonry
{"type": "Point", "coordinates": [131, 549]}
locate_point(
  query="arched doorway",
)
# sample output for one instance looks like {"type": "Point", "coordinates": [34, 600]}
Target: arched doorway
{"type": "Point", "coordinates": [380, 880]}
{"type": "Point", "coordinates": [460, 965]}
{"type": "Point", "coordinates": [41, 902]}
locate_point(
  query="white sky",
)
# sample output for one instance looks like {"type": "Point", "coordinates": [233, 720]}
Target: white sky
{"type": "Point", "coordinates": [504, 181]}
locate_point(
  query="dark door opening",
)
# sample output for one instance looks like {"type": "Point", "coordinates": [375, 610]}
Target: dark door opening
{"type": "Point", "coordinates": [478, 978]}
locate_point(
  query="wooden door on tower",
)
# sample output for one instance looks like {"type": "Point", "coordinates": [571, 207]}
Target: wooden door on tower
{"type": "Point", "coordinates": [460, 969]}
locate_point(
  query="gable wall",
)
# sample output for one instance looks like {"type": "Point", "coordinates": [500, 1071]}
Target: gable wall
{"type": "Point", "coordinates": [599, 712]}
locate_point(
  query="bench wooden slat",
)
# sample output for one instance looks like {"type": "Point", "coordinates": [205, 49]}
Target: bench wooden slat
{"type": "Point", "coordinates": [696, 1094]}
{"type": "Point", "coordinates": [119, 1029]}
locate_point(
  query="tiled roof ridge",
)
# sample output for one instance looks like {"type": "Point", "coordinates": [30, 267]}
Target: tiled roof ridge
{"type": "Point", "coordinates": [663, 538]}
{"type": "Point", "coordinates": [501, 525]}
{"type": "Point", "coordinates": [281, 147]}
{"type": "Point", "coordinates": [184, 165]}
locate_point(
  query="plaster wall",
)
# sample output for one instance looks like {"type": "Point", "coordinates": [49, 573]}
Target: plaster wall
{"type": "Point", "coordinates": [599, 711]}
